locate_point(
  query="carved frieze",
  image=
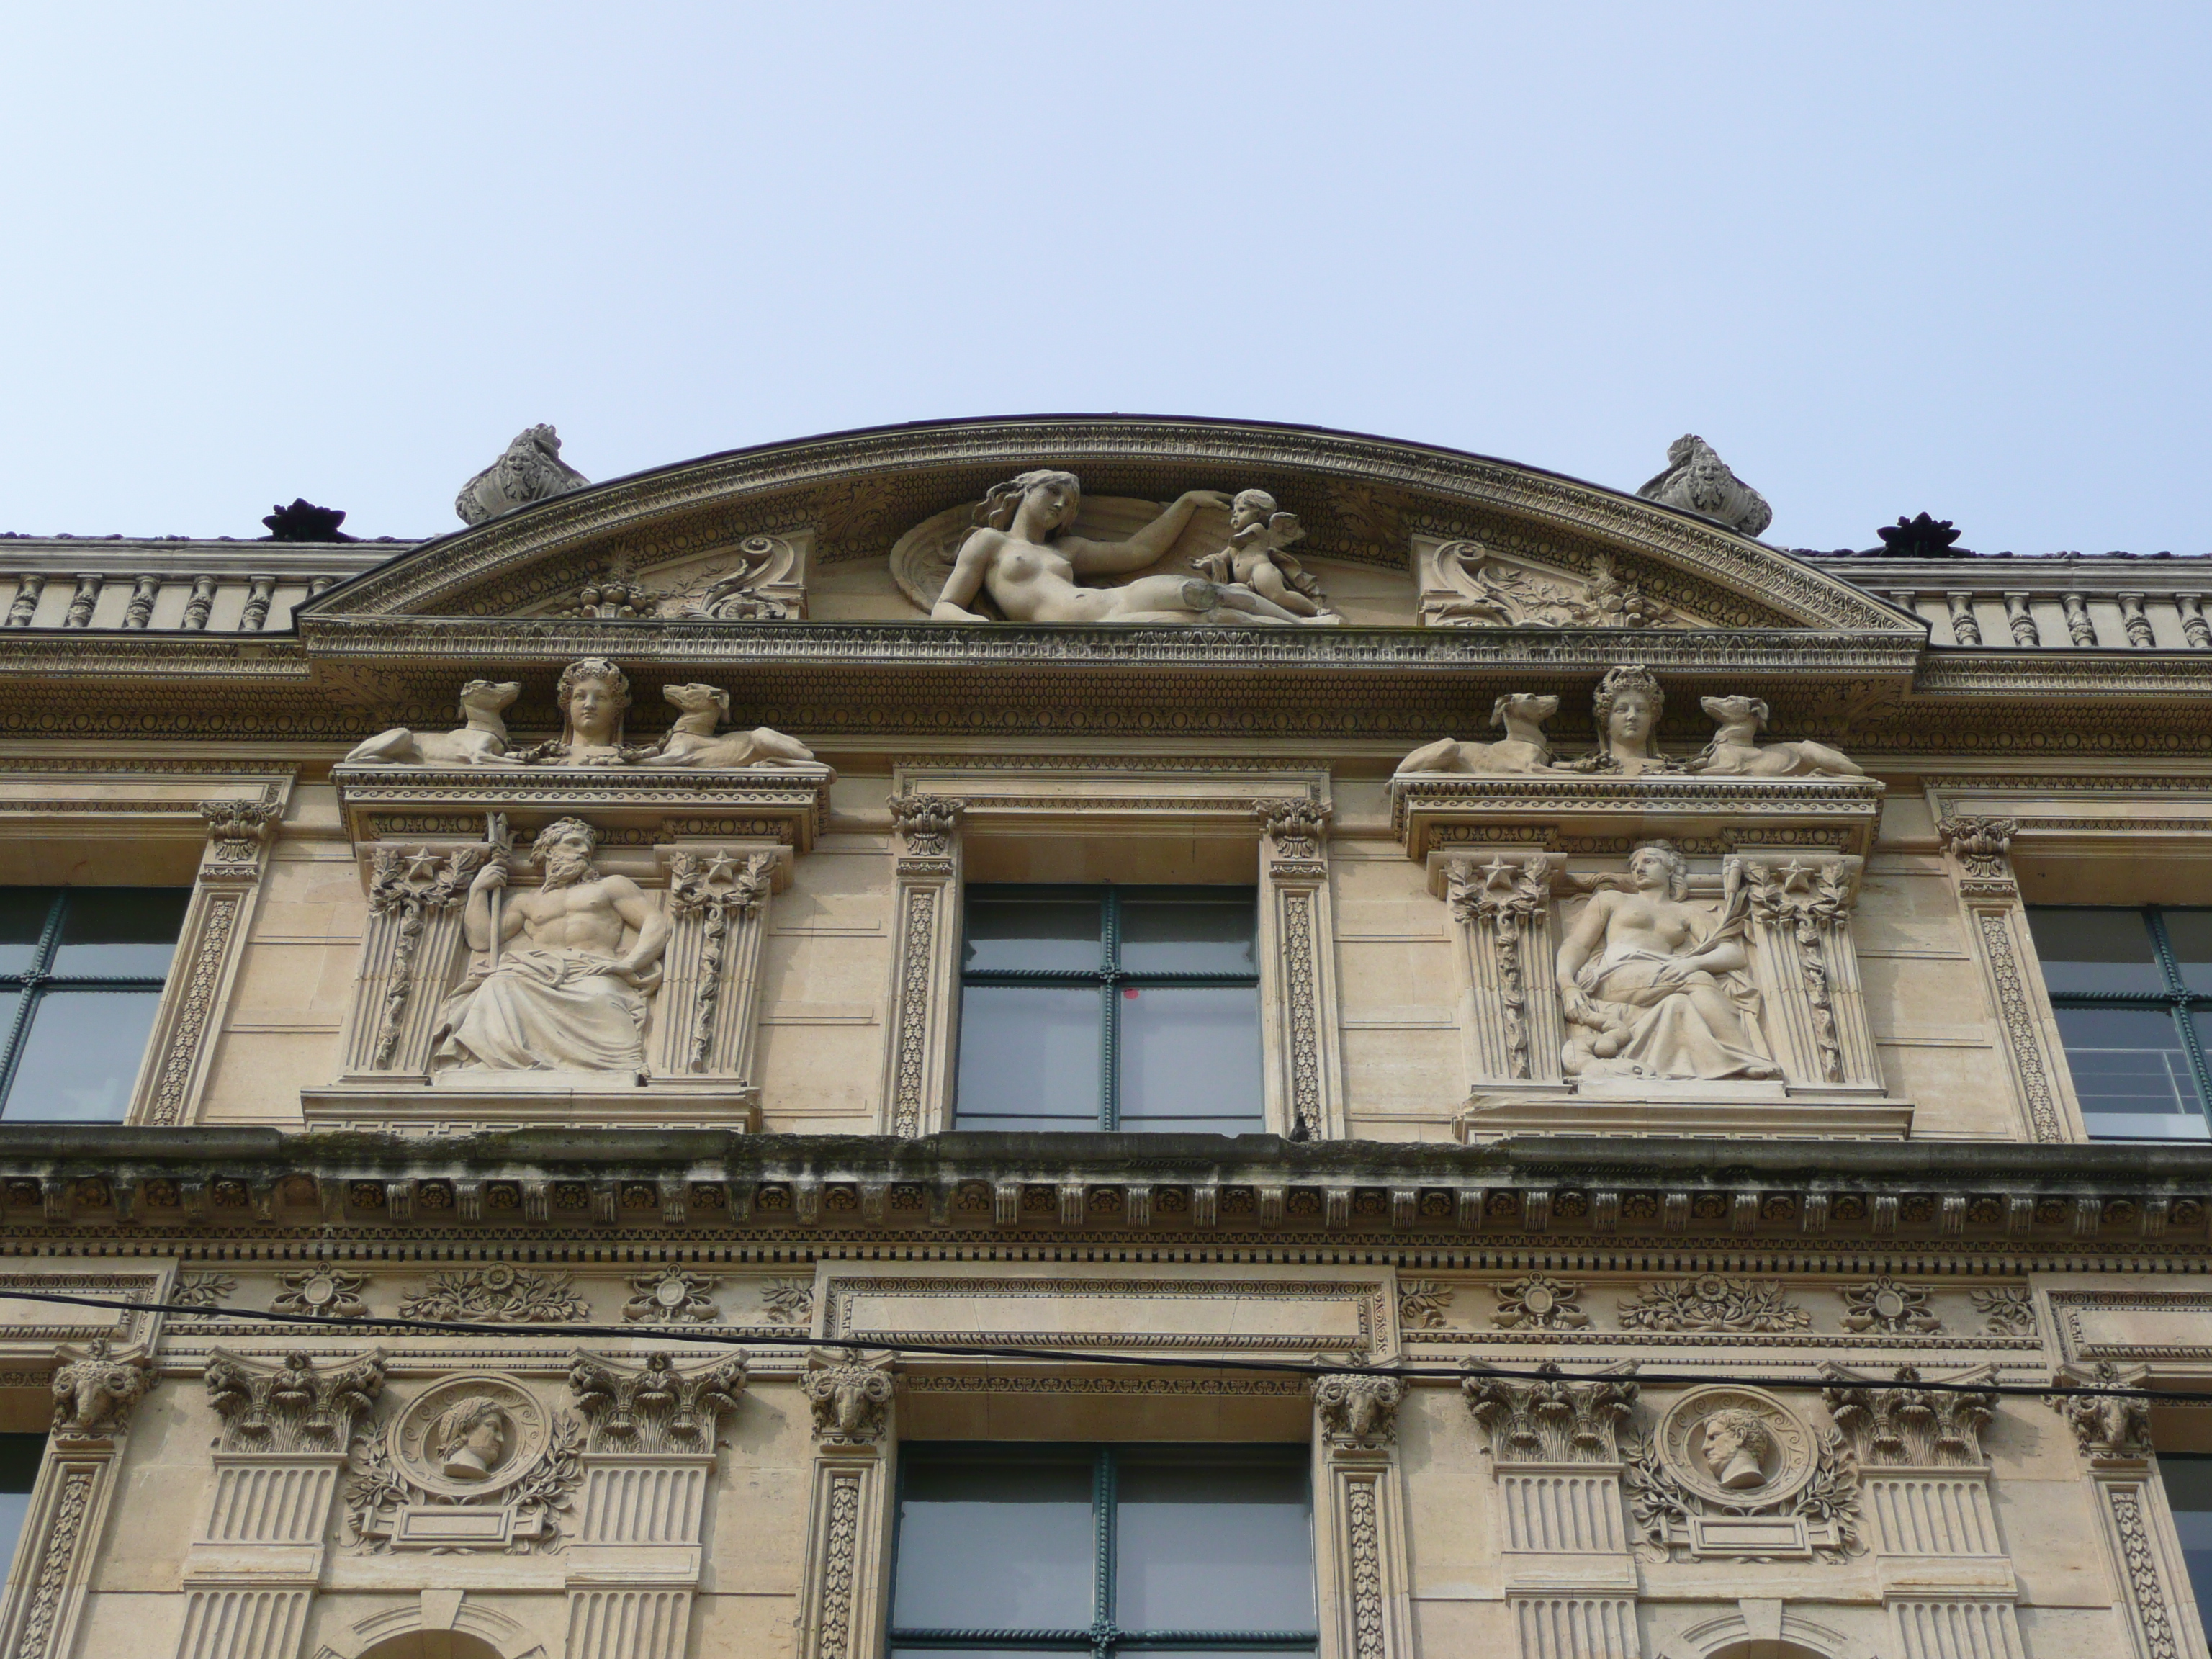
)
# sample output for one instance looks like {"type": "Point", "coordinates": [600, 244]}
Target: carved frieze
{"type": "Point", "coordinates": [674, 1295]}
{"type": "Point", "coordinates": [501, 1294]}
{"type": "Point", "coordinates": [330, 1292]}
{"type": "Point", "coordinates": [1539, 1303]}
{"type": "Point", "coordinates": [1884, 1304]}
{"type": "Point", "coordinates": [1711, 1302]}
{"type": "Point", "coordinates": [1464, 584]}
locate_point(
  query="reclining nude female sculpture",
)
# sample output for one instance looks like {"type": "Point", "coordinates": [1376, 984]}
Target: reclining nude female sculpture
{"type": "Point", "coordinates": [1018, 555]}
{"type": "Point", "coordinates": [1655, 987]}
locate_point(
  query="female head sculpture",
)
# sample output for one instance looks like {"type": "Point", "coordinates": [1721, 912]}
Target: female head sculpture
{"type": "Point", "coordinates": [1001, 501]}
{"type": "Point", "coordinates": [593, 694]}
{"type": "Point", "coordinates": [1627, 711]}
{"type": "Point", "coordinates": [470, 1439]}
{"type": "Point", "coordinates": [1667, 858]}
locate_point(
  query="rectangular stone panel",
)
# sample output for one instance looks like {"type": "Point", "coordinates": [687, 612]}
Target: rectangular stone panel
{"type": "Point", "coordinates": [1195, 1309]}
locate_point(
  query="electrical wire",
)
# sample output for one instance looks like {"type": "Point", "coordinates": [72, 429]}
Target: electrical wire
{"type": "Point", "coordinates": [372, 1325]}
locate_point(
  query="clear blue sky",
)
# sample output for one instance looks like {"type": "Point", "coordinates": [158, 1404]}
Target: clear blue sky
{"type": "Point", "coordinates": [1886, 257]}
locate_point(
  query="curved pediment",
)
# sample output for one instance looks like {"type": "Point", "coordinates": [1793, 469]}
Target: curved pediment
{"type": "Point", "coordinates": [1392, 534]}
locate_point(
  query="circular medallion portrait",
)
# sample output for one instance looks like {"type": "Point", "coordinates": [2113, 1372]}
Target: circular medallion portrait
{"type": "Point", "coordinates": [470, 1435]}
{"type": "Point", "coordinates": [1735, 1447]}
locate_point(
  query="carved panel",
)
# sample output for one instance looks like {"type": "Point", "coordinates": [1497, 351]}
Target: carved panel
{"type": "Point", "coordinates": [919, 1062]}
{"type": "Point", "coordinates": [1502, 906]}
{"type": "Point", "coordinates": [1299, 1039]}
{"type": "Point", "coordinates": [709, 1015]}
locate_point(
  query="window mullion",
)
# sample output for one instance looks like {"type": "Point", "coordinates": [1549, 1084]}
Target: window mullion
{"type": "Point", "coordinates": [1109, 1041]}
{"type": "Point", "coordinates": [1102, 1521]}
{"type": "Point", "coordinates": [49, 937]}
{"type": "Point", "coordinates": [17, 1029]}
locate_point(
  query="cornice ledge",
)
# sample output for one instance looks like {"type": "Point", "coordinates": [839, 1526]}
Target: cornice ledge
{"type": "Point", "coordinates": [652, 641]}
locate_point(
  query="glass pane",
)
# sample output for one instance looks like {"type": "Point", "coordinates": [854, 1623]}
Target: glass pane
{"type": "Point", "coordinates": [1190, 1060]}
{"type": "Point", "coordinates": [120, 931]}
{"type": "Point", "coordinates": [1214, 1542]}
{"type": "Point", "coordinates": [2188, 1477]}
{"type": "Point", "coordinates": [2131, 1074]}
{"type": "Point", "coordinates": [82, 1055]}
{"type": "Point", "coordinates": [20, 1454]}
{"type": "Point", "coordinates": [1048, 929]}
{"type": "Point", "coordinates": [1195, 933]}
{"type": "Point", "coordinates": [23, 918]}
{"type": "Point", "coordinates": [2094, 951]}
{"type": "Point", "coordinates": [990, 1541]}
{"type": "Point", "coordinates": [1029, 1057]}
{"type": "Point", "coordinates": [2190, 933]}
{"type": "Point", "coordinates": [1003, 1653]}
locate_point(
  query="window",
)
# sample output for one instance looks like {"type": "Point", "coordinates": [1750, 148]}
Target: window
{"type": "Point", "coordinates": [20, 1456]}
{"type": "Point", "coordinates": [81, 973]}
{"type": "Point", "coordinates": [2188, 1477]}
{"type": "Point", "coordinates": [1132, 1008]}
{"type": "Point", "coordinates": [1024, 1551]}
{"type": "Point", "coordinates": [2132, 991]}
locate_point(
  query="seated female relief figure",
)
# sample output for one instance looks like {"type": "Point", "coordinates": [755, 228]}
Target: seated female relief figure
{"type": "Point", "coordinates": [1656, 987]}
{"type": "Point", "coordinates": [1018, 555]}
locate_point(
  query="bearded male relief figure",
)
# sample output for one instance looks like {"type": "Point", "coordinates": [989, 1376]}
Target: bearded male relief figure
{"type": "Point", "coordinates": [571, 998]}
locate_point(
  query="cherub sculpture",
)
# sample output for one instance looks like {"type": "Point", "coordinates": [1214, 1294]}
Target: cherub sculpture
{"type": "Point", "coordinates": [1256, 555]}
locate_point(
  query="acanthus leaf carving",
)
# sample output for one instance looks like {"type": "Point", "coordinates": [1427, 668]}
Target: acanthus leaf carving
{"type": "Point", "coordinates": [925, 822]}
{"type": "Point", "coordinates": [2005, 1310]}
{"type": "Point", "coordinates": [1982, 845]}
{"type": "Point", "coordinates": [657, 1406]}
{"type": "Point", "coordinates": [715, 887]}
{"type": "Point", "coordinates": [1552, 1420]}
{"type": "Point", "coordinates": [1478, 589]}
{"type": "Point", "coordinates": [1909, 1426]}
{"type": "Point", "coordinates": [294, 1407]}
{"type": "Point", "coordinates": [1295, 824]}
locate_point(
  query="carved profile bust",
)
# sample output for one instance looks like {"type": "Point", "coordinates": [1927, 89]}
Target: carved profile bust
{"type": "Point", "coordinates": [1737, 1448]}
{"type": "Point", "coordinates": [471, 1439]}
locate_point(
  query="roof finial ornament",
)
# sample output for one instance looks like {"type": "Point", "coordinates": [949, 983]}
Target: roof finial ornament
{"type": "Point", "coordinates": [531, 471]}
{"type": "Point", "coordinates": [1698, 480]}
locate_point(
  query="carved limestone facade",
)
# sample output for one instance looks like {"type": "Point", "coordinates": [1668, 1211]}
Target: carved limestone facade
{"type": "Point", "coordinates": [530, 1192]}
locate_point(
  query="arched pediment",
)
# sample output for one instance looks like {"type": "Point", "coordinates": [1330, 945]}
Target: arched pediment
{"type": "Point", "coordinates": [1415, 532]}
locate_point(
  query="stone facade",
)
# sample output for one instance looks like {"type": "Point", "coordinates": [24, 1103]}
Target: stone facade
{"type": "Point", "coordinates": [1681, 1033]}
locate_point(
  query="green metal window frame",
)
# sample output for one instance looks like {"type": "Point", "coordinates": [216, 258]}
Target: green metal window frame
{"type": "Point", "coordinates": [1110, 976]}
{"type": "Point", "coordinates": [1103, 1638]}
{"type": "Point", "coordinates": [2177, 1000]}
{"type": "Point", "coordinates": [35, 983]}
{"type": "Point", "coordinates": [2192, 1523]}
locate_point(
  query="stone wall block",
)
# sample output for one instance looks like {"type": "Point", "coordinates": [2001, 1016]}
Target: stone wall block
{"type": "Point", "coordinates": [628, 1624]}
{"type": "Point", "coordinates": [1956, 1629]}
{"type": "Point", "coordinates": [239, 1622]}
{"type": "Point", "coordinates": [1575, 1626]}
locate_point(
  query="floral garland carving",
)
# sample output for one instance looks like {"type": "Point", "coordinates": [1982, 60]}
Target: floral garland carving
{"type": "Point", "coordinates": [61, 1545]}
{"type": "Point", "coordinates": [1366, 1544]}
{"type": "Point", "coordinates": [2006, 1310]}
{"type": "Point", "coordinates": [499, 1294]}
{"type": "Point", "coordinates": [2144, 1584]}
{"type": "Point", "coordinates": [197, 1007]}
{"type": "Point", "coordinates": [1711, 1303]}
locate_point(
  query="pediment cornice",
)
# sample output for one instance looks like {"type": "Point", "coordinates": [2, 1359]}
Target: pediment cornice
{"type": "Point", "coordinates": [1361, 498]}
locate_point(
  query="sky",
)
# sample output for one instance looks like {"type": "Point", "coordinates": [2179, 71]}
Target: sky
{"type": "Point", "coordinates": [1884, 258]}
